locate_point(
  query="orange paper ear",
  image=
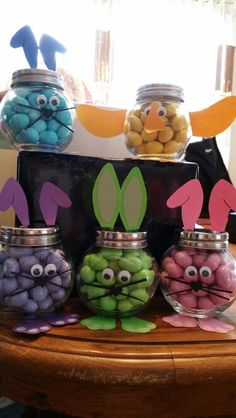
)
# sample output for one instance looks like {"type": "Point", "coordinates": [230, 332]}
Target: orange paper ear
{"type": "Point", "coordinates": [214, 119]}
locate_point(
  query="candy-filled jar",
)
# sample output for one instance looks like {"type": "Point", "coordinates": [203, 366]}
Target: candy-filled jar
{"type": "Point", "coordinates": [35, 113]}
{"type": "Point", "coordinates": [158, 126]}
{"type": "Point", "coordinates": [198, 276]}
{"type": "Point", "coordinates": [118, 275]}
{"type": "Point", "coordinates": [35, 275]}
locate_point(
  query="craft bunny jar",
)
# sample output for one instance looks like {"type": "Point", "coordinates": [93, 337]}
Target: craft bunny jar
{"type": "Point", "coordinates": [198, 275]}
{"type": "Point", "coordinates": [118, 276]}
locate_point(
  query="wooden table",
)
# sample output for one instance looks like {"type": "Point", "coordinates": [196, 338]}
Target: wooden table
{"type": "Point", "coordinates": [170, 372]}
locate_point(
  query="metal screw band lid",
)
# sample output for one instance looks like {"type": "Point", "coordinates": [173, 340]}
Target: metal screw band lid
{"type": "Point", "coordinates": [34, 237]}
{"type": "Point", "coordinates": [159, 90]}
{"type": "Point", "coordinates": [123, 240]}
{"type": "Point", "coordinates": [37, 75]}
{"type": "Point", "coordinates": [205, 239]}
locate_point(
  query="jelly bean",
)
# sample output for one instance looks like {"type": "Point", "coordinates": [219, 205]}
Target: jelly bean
{"type": "Point", "coordinates": [213, 261]}
{"type": "Point", "coordinates": [130, 263]}
{"type": "Point", "coordinates": [1, 271]}
{"type": "Point", "coordinates": [41, 254]}
{"type": "Point", "coordinates": [63, 133]}
{"type": "Point", "coordinates": [54, 284]}
{"type": "Point", "coordinates": [188, 300]}
{"type": "Point", "coordinates": [97, 262]}
{"type": "Point", "coordinates": [146, 261]}
{"type": "Point", "coordinates": [39, 293]}
{"type": "Point", "coordinates": [11, 267]}
{"type": "Point", "coordinates": [114, 266]}
{"type": "Point", "coordinates": [108, 303]}
{"type": "Point", "coordinates": [40, 126]}
{"type": "Point", "coordinates": [198, 259]}
{"type": "Point", "coordinates": [22, 92]}
{"type": "Point", "coordinates": [138, 252]}
{"type": "Point", "coordinates": [53, 125]}
{"type": "Point", "coordinates": [125, 305]}
{"type": "Point", "coordinates": [149, 136]}
{"type": "Point", "coordinates": [140, 294]}
{"type": "Point", "coordinates": [3, 256]}
{"type": "Point", "coordinates": [63, 104]}
{"type": "Point", "coordinates": [29, 135]}
{"type": "Point", "coordinates": [134, 139]}
{"type": "Point", "coordinates": [183, 259]}
{"type": "Point", "coordinates": [59, 295]}
{"type": "Point", "coordinates": [174, 270]}
{"type": "Point", "coordinates": [148, 275]}
{"type": "Point", "coordinates": [205, 303]}
{"type": "Point", "coordinates": [32, 99]}
{"type": "Point", "coordinates": [111, 253]}
{"type": "Point", "coordinates": [45, 304]}
{"type": "Point", "coordinates": [9, 285]}
{"type": "Point", "coordinates": [34, 114]}
{"type": "Point", "coordinates": [26, 262]}
{"type": "Point", "coordinates": [7, 111]}
{"type": "Point", "coordinates": [48, 137]}
{"type": "Point", "coordinates": [87, 274]}
{"type": "Point", "coordinates": [94, 292]}
{"type": "Point", "coordinates": [179, 122]}
{"type": "Point", "coordinates": [16, 103]}
{"type": "Point", "coordinates": [18, 251]}
{"type": "Point", "coordinates": [25, 283]}
{"type": "Point", "coordinates": [86, 259]}
{"type": "Point", "coordinates": [225, 278]}
{"type": "Point", "coordinates": [172, 147]}
{"type": "Point", "coordinates": [65, 117]}
{"type": "Point", "coordinates": [47, 92]}
{"type": "Point", "coordinates": [171, 110]}
{"type": "Point", "coordinates": [30, 306]}
{"type": "Point", "coordinates": [166, 135]}
{"type": "Point", "coordinates": [220, 297]}
{"type": "Point", "coordinates": [135, 124]}
{"type": "Point", "coordinates": [178, 287]}
{"type": "Point", "coordinates": [56, 260]}
{"type": "Point", "coordinates": [154, 147]}
{"type": "Point", "coordinates": [166, 261]}
{"type": "Point", "coordinates": [106, 277]}
{"type": "Point", "coordinates": [18, 122]}
{"type": "Point", "coordinates": [17, 301]}
{"type": "Point", "coordinates": [124, 295]}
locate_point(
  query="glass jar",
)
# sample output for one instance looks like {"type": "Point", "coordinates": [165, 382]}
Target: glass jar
{"type": "Point", "coordinates": [118, 276]}
{"type": "Point", "coordinates": [35, 276]}
{"type": "Point", "coordinates": [198, 276]}
{"type": "Point", "coordinates": [35, 113]}
{"type": "Point", "coordinates": [158, 126]}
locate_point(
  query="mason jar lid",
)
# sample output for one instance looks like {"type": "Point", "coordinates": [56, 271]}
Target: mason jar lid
{"type": "Point", "coordinates": [159, 90]}
{"type": "Point", "coordinates": [30, 237]}
{"type": "Point", "coordinates": [36, 75]}
{"type": "Point", "coordinates": [123, 240]}
{"type": "Point", "coordinates": [201, 238]}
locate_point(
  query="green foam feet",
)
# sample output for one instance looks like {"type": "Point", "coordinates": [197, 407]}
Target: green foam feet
{"type": "Point", "coordinates": [99, 322]}
{"type": "Point", "coordinates": [134, 324]}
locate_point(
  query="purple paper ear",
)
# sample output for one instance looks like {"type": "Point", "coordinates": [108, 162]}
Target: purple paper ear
{"type": "Point", "coordinates": [190, 198]}
{"type": "Point", "coordinates": [50, 198]}
{"type": "Point", "coordinates": [12, 195]}
{"type": "Point", "coordinates": [222, 200]}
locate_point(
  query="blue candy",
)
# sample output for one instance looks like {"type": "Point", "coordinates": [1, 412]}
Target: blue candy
{"type": "Point", "coordinates": [48, 137]}
{"type": "Point", "coordinates": [22, 92]}
{"type": "Point", "coordinates": [16, 103]}
{"type": "Point", "coordinates": [18, 122]}
{"type": "Point", "coordinates": [39, 126]}
{"type": "Point", "coordinates": [34, 114]}
{"type": "Point", "coordinates": [32, 99]}
{"type": "Point", "coordinates": [53, 125]}
{"type": "Point", "coordinates": [29, 135]}
{"type": "Point", "coordinates": [48, 93]}
{"type": "Point", "coordinates": [7, 111]}
{"type": "Point", "coordinates": [63, 133]}
{"type": "Point", "coordinates": [64, 117]}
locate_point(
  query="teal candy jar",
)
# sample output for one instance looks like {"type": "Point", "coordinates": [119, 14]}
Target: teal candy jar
{"type": "Point", "coordinates": [118, 275]}
{"type": "Point", "coordinates": [35, 114]}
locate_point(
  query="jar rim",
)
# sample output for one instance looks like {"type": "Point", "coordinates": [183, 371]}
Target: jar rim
{"type": "Point", "coordinates": [204, 238]}
{"type": "Point", "coordinates": [123, 240]}
{"type": "Point", "coordinates": [164, 90]}
{"type": "Point", "coordinates": [29, 236]}
{"type": "Point", "coordinates": [37, 75]}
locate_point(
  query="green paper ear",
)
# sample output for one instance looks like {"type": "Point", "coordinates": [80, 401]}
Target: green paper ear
{"type": "Point", "coordinates": [133, 200]}
{"type": "Point", "coordinates": [106, 196]}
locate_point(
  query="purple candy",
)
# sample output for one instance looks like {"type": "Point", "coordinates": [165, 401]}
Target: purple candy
{"type": "Point", "coordinates": [25, 283]}
{"type": "Point", "coordinates": [30, 306]}
{"type": "Point", "coordinates": [19, 251]}
{"type": "Point", "coordinates": [55, 259]}
{"type": "Point", "coordinates": [17, 301]}
{"type": "Point", "coordinates": [41, 254]}
{"type": "Point", "coordinates": [9, 285]}
{"type": "Point", "coordinates": [11, 267]}
{"type": "Point", "coordinates": [46, 304]}
{"type": "Point", "coordinates": [3, 256]}
{"type": "Point", "coordinates": [59, 295]}
{"type": "Point", "coordinates": [39, 293]}
{"type": "Point", "coordinates": [52, 284]}
{"type": "Point", "coordinates": [26, 262]}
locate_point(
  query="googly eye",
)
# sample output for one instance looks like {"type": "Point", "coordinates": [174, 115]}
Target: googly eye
{"type": "Point", "coordinates": [124, 276]}
{"type": "Point", "coordinates": [41, 99]}
{"type": "Point", "coordinates": [108, 274]}
{"type": "Point", "coordinates": [54, 101]}
{"type": "Point", "coordinates": [161, 111]}
{"type": "Point", "coordinates": [147, 110]}
{"type": "Point", "coordinates": [205, 271]}
{"type": "Point", "coordinates": [50, 269]}
{"type": "Point", "coordinates": [191, 271]}
{"type": "Point", "coordinates": [36, 270]}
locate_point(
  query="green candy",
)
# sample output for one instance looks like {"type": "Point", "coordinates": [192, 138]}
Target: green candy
{"type": "Point", "coordinates": [125, 305]}
{"type": "Point", "coordinates": [130, 263]}
{"type": "Point", "coordinates": [93, 291]}
{"type": "Point", "coordinates": [97, 262]}
{"type": "Point", "coordinates": [108, 303]}
{"type": "Point", "coordinates": [126, 293]}
{"type": "Point", "coordinates": [139, 294]}
{"type": "Point", "coordinates": [103, 279]}
{"type": "Point", "coordinates": [114, 266]}
{"type": "Point", "coordinates": [147, 261]}
{"type": "Point", "coordinates": [86, 259]}
{"type": "Point", "coordinates": [111, 253]}
{"type": "Point", "coordinates": [148, 275]}
{"type": "Point", "coordinates": [133, 252]}
{"type": "Point", "coordinates": [87, 274]}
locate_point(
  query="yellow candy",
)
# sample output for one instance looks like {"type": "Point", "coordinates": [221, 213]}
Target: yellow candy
{"type": "Point", "coordinates": [154, 147]}
{"type": "Point", "coordinates": [171, 110]}
{"type": "Point", "coordinates": [126, 126]}
{"type": "Point", "coordinates": [182, 136]}
{"type": "Point", "coordinates": [137, 113]}
{"type": "Point", "coordinates": [149, 136]}
{"type": "Point", "coordinates": [166, 135]}
{"type": "Point", "coordinates": [134, 139]}
{"type": "Point", "coordinates": [136, 124]}
{"type": "Point", "coordinates": [172, 147]}
{"type": "Point", "coordinates": [156, 104]}
{"type": "Point", "coordinates": [141, 149]}
{"type": "Point", "coordinates": [179, 122]}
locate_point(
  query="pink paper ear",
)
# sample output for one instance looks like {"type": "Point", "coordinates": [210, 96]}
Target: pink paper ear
{"type": "Point", "coordinates": [222, 200]}
{"type": "Point", "coordinates": [50, 198]}
{"type": "Point", "coordinates": [190, 198]}
{"type": "Point", "coordinates": [12, 195]}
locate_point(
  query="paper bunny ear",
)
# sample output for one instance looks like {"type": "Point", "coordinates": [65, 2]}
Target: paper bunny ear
{"type": "Point", "coordinates": [133, 200]}
{"type": "Point", "coordinates": [12, 195]}
{"type": "Point", "coordinates": [48, 47]}
{"type": "Point", "coordinates": [106, 196]}
{"type": "Point", "coordinates": [25, 38]}
{"type": "Point", "coordinates": [222, 200]}
{"type": "Point", "coordinates": [50, 198]}
{"type": "Point", "coordinates": [190, 198]}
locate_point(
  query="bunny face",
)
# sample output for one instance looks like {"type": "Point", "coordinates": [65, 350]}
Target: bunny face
{"type": "Point", "coordinates": [198, 282]}
{"type": "Point", "coordinates": [117, 282]}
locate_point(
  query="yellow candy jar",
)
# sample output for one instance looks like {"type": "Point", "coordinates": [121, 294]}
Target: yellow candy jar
{"type": "Point", "coordinates": [158, 125]}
